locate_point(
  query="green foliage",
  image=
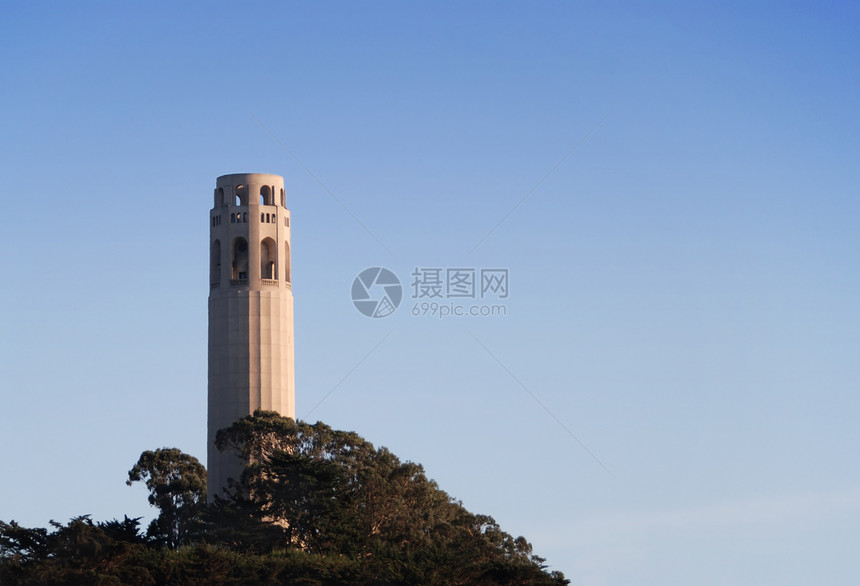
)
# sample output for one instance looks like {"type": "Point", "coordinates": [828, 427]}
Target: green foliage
{"type": "Point", "coordinates": [80, 552]}
{"type": "Point", "coordinates": [177, 486]}
{"type": "Point", "coordinates": [22, 544]}
{"type": "Point", "coordinates": [315, 506]}
{"type": "Point", "coordinates": [331, 492]}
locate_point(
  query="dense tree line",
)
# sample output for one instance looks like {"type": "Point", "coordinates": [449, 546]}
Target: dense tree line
{"type": "Point", "coordinates": [314, 506]}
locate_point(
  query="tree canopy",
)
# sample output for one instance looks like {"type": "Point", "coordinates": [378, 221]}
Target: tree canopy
{"type": "Point", "coordinates": [314, 506]}
{"type": "Point", "coordinates": [177, 487]}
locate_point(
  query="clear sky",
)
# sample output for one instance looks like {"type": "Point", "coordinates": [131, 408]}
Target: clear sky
{"type": "Point", "coordinates": [683, 286]}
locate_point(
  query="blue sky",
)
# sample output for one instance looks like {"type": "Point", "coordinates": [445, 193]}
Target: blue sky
{"type": "Point", "coordinates": [683, 285]}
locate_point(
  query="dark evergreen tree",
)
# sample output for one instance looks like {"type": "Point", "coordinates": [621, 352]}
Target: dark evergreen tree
{"type": "Point", "coordinates": [331, 492]}
{"type": "Point", "coordinates": [177, 487]}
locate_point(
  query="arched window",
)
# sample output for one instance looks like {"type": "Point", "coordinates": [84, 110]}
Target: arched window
{"type": "Point", "coordinates": [245, 217]}
{"type": "Point", "coordinates": [266, 196]}
{"type": "Point", "coordinates": [241, 195]}
{"type": "Point", "coordinates": [283, 199]}
{"type": "Point", "coordinates": [262, 218]}
{"type": "Point", "coordinates": [219, 198]}
{"type": "Point", "coordinates": [287, 262]}
{"type": "Point", "coordinates": [215, 263]}
{"type": "Point", "coordinates": [268, 259]}
{"type": "Point", "coordinates": [233, 218]}
{"type": "Point", "coordinates": [239, 263]}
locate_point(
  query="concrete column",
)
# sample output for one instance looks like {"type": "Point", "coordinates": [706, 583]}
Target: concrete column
{"type": "Point", "coordinates": [251, 357]}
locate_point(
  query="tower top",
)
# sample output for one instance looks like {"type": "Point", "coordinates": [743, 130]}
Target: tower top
{"type": "Point", "coordinates": [241, 189]}
{"type": "Point", "coordinates": [240, 178]}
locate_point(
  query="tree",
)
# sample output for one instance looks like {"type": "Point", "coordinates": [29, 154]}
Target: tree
{"type": "Point", "coordinates": [177, 487]}
{"type": "Point", "coordinates": [80, 552]}
{"type": "Point", "coordinates": [21, 544]}
{"type": "Point", "coordinates": [315, 506]}
{"type": "Point", "coordinates": [331, 492]}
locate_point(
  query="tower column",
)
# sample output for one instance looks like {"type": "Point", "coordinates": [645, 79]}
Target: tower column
{"type": "Point", "coordinates": [251, 357]}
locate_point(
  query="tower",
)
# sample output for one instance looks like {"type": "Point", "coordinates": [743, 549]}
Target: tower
{"type": "Point", "coordinates": [251, 364]}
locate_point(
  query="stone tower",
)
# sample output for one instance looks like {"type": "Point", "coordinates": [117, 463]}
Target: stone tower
{"type": "Point", "coordinates": [251, 364]}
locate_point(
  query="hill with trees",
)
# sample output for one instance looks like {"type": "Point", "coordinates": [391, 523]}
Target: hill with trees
{"type": "Point", "coordinates": [313, 506]}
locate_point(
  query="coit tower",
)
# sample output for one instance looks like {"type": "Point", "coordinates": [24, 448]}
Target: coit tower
{"type": "Point", "coordinates": [251, 364]}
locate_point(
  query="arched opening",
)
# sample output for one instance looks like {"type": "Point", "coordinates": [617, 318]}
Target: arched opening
{"type": "Point", "coordinates": [283, 199]}
{"type": "Point", "coordinates": [232, 218]}
{"type": "Point", "coordinates": [287, 262]}
{"type": "Point", "coordinates": [220, 201]}
{"type": "Point", "coordinates": [268, 259]}
{"type": "Point", "coordinates": [245, 217]}
{"type": "Point", "coordinates": [215, 263]}
{"type": "Point", "coordinates": [240, 259]}
{"type": "Point", "coordinates": [266, 196]}
{"type": "Point", "coordinates": [241, 195]}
